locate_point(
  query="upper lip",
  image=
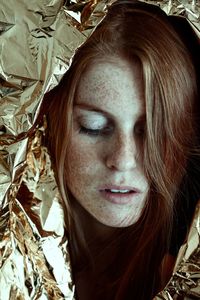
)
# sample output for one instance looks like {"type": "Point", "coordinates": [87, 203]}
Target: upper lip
{"type": "Point", "coordinates": [119, 187]}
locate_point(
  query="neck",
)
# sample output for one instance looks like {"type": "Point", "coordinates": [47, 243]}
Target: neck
{"type": "Point", "coordinates": [99, 242]}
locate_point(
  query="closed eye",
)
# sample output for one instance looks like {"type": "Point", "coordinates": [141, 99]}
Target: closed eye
{"type": "Point", "coordinates": [94, 132]}
{"type": "Point", "coordinates": [89, 131]}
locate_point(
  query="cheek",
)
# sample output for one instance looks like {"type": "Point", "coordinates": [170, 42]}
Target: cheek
{"type": "Point", "coordinates": [81, 162]}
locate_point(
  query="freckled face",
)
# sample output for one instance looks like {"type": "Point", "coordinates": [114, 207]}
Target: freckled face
{"type": "Point", "coordinates": [105, 174]}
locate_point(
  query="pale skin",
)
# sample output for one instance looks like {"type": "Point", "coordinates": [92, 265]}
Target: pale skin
{"type": "Point", "coordinates": [110, 99]}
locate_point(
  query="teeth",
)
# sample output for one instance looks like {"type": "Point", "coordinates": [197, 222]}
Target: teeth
{"type": "Point", "coordinates": [120, 191]}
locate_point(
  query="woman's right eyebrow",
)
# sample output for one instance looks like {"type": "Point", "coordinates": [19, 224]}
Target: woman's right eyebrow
{"type": "Point", "coordinates": [93, 108]}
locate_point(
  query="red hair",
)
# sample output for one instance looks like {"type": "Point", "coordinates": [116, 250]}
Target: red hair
{"type": "Point", "coordinates": [135, 30]}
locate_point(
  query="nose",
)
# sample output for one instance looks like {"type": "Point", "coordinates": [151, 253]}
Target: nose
{"type": "Point", "coordinates": [123, 154]}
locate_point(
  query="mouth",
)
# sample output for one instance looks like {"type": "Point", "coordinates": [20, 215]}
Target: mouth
{"type": "Point", "coordinates": [119, 195]}
{"type": "Point", "coordinates": [119, 191]}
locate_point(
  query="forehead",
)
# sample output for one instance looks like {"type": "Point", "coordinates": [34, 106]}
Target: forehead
{"type": "Point", "coordinates": [112, 83]}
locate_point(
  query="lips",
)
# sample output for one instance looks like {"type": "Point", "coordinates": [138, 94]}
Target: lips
{"type": "Point", "coordinates": [122, 191]}
{"type": "Point", "coordinates": [119, 188]}
{"type": "Point", "coordinates": [119, 194]}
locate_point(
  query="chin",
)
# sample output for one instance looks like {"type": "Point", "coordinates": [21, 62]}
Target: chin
{"type": "Point", "coordinates": [119, 223]}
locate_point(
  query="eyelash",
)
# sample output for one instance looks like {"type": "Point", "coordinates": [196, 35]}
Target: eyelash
{"type": "Point", "coordinates": [93, 132]}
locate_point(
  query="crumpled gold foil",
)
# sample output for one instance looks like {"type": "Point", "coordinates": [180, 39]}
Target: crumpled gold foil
{"type": "Point", "coordinates": [185, 281]}
{"type": "Point", "coordinates": [37, 41]}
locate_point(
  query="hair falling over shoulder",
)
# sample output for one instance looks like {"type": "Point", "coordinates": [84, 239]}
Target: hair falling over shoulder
{"type": "Point", "coordinates": [139, 31]}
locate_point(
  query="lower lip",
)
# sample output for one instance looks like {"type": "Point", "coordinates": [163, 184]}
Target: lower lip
{"type": "Point", "coordinates": [119, 198]}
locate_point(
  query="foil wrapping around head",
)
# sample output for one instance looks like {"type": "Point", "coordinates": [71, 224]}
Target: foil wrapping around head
{"type": "Point", "coordinates": [37, 42]}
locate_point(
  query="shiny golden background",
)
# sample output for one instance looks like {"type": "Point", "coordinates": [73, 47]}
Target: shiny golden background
{"type": "Point", "coordinates": [37, 41]}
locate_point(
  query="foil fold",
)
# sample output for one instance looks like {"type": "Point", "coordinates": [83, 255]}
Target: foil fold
{"type": "Point", "coordinates": [37, 42]}
{"type": "Point", "coordinates": [185, 281]}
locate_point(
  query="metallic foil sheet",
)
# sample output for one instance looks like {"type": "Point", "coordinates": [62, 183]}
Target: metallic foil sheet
{"type": "Point", "coordinates": [185, 281]}
{"type": "Point", "coordinates": [37, 41]}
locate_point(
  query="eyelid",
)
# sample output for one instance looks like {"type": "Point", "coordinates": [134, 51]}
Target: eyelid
{"type": "Point", "coordinates": [95, 132]}
{"type": "Point", "coordinates": [91, 109]}
{"type": "Point", "coordinates": [92, 122]}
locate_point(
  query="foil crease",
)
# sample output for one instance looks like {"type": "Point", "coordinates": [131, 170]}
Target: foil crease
{"type": "Point", "coordinates": [185, 281]}
{"type": "Point", "coordinates": [37, 42]}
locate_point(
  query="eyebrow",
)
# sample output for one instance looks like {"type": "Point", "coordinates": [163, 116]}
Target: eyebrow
{"type": "Point", "coordinates": [94, 108]}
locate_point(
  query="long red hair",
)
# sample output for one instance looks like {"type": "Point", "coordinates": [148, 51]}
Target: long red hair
{"type": "Point", "coordinates": [135, 30]}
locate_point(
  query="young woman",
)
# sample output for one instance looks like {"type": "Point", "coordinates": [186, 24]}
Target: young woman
{"type": "Point", "coordinates": [121, 130]}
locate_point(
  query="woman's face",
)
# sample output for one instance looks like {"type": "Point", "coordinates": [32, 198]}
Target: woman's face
{"type": "Point", "coordinates": [105, 172]}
